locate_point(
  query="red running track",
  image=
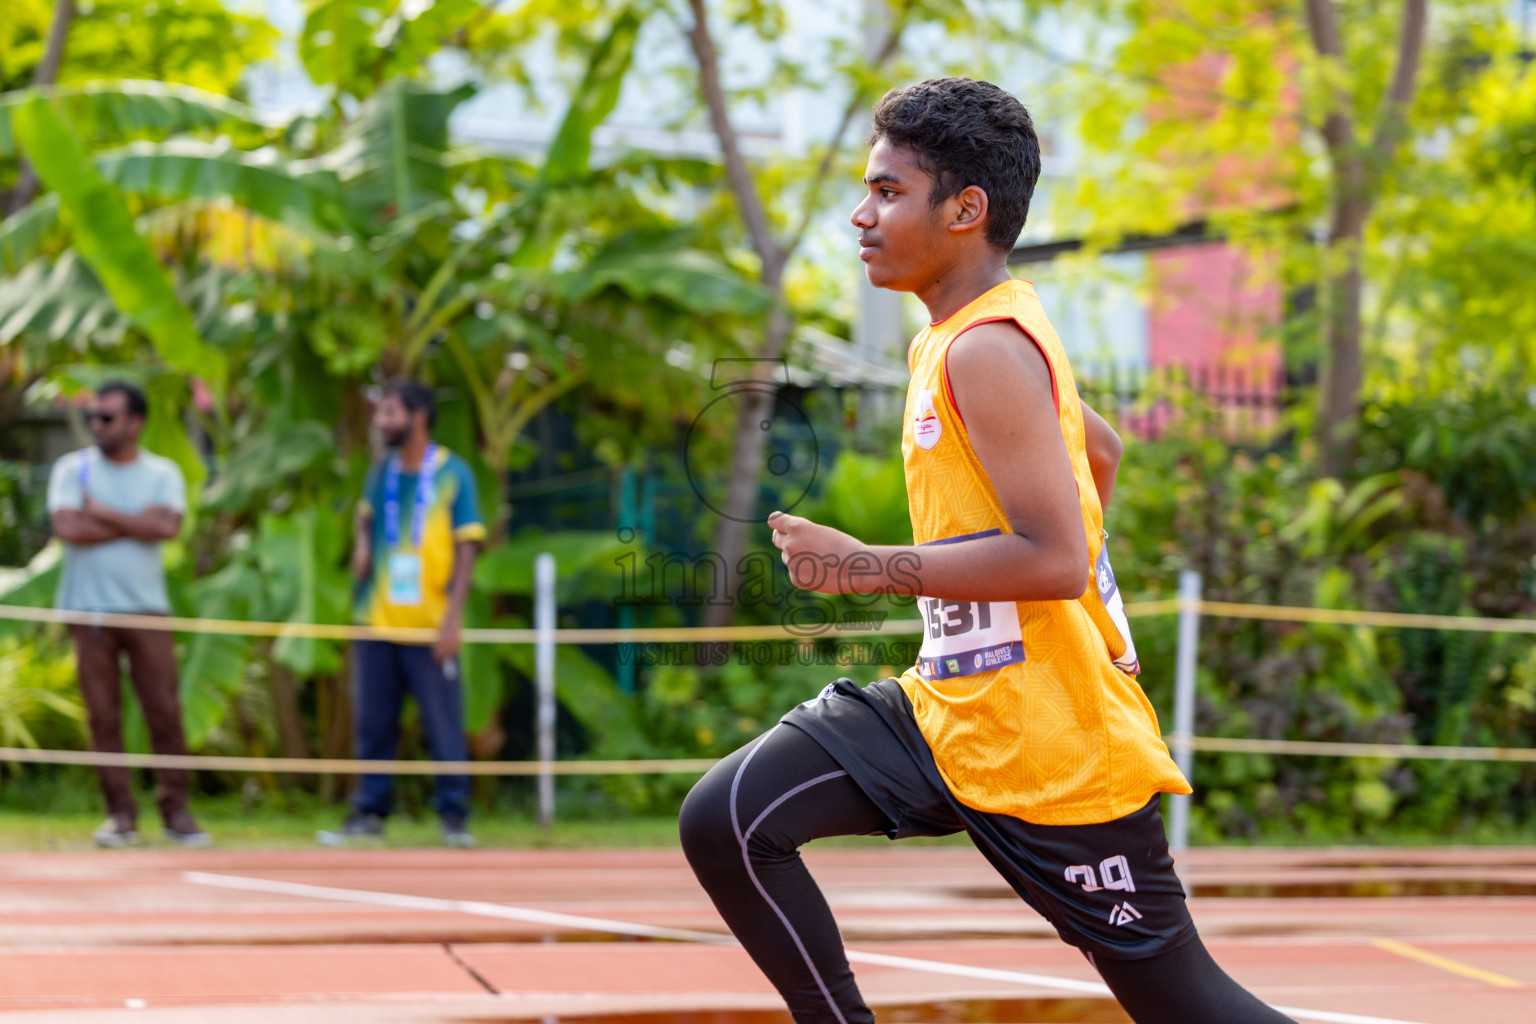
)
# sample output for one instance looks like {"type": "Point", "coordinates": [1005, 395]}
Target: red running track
{"type": "Point", "coordinates": [1406, 936]}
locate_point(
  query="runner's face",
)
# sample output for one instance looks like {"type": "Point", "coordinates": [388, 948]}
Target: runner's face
{"type": "Point", "coordinates": [112, 426]}
{"type": "Point", "coordinates": [902, 241]}
{"type": "Point", "coordinates": [394, 421]}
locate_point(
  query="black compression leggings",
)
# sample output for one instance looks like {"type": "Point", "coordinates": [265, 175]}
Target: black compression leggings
{"type": "Point", "coordinates": [742, 827]}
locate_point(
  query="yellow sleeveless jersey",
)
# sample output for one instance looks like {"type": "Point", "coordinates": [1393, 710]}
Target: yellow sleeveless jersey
{"type": "Point", "coordinates": [1031, 708]}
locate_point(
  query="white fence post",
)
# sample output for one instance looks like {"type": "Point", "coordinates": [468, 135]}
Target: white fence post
{"type": "Point", "coordinates": [1185, 667]}
{"type": "Point", "coordinates": [544, 670]}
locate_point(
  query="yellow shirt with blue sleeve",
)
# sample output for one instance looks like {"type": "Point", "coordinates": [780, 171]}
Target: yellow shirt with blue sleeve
{"type": "Point", "coordinates": [408, 584]}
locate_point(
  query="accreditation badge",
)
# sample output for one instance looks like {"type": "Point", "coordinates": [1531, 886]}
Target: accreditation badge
{"type": "Point", "coordinates": [405, 579]}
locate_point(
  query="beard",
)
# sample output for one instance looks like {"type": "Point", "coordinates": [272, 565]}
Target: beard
{"type": "Point", "coordinates": [397, 438]}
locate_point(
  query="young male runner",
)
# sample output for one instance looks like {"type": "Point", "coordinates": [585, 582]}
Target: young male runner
{"type": "Point", "coordinates": [1022, 723]}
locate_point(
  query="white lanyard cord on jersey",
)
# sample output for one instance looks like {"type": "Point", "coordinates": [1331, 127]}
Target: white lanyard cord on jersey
{"type": "Point", "coordinates": [420, 507]}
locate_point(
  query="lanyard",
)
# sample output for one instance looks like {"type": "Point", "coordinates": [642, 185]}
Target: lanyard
{"type": "Point", "coordinates": [85, 473]}
{"type": "Point", "coordinates": [421, 505]}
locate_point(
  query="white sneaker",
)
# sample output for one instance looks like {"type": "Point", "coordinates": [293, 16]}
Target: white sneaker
{"type": "Point", "coordinates": [116, 833]}
{"type": "Point", "coordinates": [188, 840]}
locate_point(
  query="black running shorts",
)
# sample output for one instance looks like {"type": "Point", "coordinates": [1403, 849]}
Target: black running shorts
{"type": "Point", "coordinates": [1109, 889]}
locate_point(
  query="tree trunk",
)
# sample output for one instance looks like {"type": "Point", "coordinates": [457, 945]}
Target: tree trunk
{"type": "Point", "coordinates": [751, 441]}
{"type": "Point", "coordinates": [1357, 172]}
{"type": "Point", "coordinates": [1339, 413]}
{"type": "Point", "coordinates": [291, 738]}
{"type": "Point", "coordinates": [46, 73]}
{"type": "Point", "coordinates": [335, 714]}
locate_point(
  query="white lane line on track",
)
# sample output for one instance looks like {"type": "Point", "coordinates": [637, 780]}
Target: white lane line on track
{"type": "Point", "coordinates": [645, 931]}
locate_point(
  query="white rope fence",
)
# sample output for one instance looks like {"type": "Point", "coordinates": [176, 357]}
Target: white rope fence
{"type": "Point", "coordinates": [689, 765]}
{"type": "Point", "coordinates": [353, 766]}
{"type": "Point", "coordinates": [1189, 605]}
{"type": "Point", "coordinates": [699, 634]}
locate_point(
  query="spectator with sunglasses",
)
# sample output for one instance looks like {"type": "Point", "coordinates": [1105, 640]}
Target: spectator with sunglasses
{"type": "Point", "coordinates": [113, 505]}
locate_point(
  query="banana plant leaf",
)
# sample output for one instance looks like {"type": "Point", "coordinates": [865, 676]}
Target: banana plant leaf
{"type": "Point", "coordinates": [267, 460]}
{"type": "Point", "coordinates": [62, 302]}
{"type": "Point", "coordinates": [213, 665]}
{"type": "Point", "coordinates": [569, 158]}
{"type": "Point", "coordinates": [23, 232]}
{"type": "Point", "coordinates": [336, 44]}
{"type": "Point", "coordinates": [570, 153]}
{"type": "Point", "coordinates": [690, 279]}
{"type": "Point", "coordinates": [124, 108]}
{"type": "Point", "coordinates": [289, 192]}
{"type": "Point", "coordinates": [480, 669]}
{"type": "Point", "coordinates": [509, 569]}
{"type": "Point", "coordinates": [394, 162]}
{"type": "Point", "coordinates": [588, 692]}
{"type": "Point", "coordinates": [33, 586]}
{"type": "Point", "coordinates": [299, 555]}
{"type": "Point", "coordinates": [106, 238]}
{"type": "Point", "coordinates": [165, 433]}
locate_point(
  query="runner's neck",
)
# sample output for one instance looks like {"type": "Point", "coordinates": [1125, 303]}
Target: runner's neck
{"type": "Point", "coordinates": [963, 286]}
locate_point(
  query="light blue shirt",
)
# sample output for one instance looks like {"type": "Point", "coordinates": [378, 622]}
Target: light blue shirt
{"type": "Point", "coordinates": [123, 575]}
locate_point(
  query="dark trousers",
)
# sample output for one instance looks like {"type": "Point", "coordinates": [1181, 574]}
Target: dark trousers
{"type": "Point", "coordinates": [382, 673]}
{"type": "Point", "coordinates": [152, 667]}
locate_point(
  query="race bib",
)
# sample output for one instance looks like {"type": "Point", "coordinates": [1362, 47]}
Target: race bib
{"type": "Point", "coordinates": [1109, 593]}
{"type": "Point", "coordinates": [405, 579]}
{"type": "Point", "coordinates": [966, 637]}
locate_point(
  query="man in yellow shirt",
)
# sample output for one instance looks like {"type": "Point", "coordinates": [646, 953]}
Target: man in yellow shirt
{"type": "Point", "coordinates": [418, 533]}
{"type": "Point", "coordinates": [1022, 723]}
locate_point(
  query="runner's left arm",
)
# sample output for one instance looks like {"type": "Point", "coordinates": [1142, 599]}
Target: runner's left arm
{"type": "Point", "coordinates": [1104, 451]}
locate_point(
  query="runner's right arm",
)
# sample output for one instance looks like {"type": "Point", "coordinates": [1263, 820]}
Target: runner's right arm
{"type": "Point", "coordinates": [1005, 394]}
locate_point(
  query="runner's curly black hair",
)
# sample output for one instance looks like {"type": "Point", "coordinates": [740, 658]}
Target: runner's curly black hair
{"type": "Point", "coordinates": [964, 132]}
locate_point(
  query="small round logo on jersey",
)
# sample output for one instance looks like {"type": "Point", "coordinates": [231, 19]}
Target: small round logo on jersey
{"type": "Point", "coordinates": [977, 661]}
{"type": "Point", "coordinates": [926, 427]}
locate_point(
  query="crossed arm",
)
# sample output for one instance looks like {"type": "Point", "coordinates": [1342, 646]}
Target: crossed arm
{"type": "Point", "coordinates": [94, 523]}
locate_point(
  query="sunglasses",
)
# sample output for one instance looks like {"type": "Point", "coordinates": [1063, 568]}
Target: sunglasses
{"type": "Point", "coordinates": [104, 418]}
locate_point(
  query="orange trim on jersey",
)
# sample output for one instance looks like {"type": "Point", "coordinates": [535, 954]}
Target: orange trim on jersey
{"type": "Point", "coordinates": [935, 323]}
{"type": "Point", "coordinates": [949, 391]}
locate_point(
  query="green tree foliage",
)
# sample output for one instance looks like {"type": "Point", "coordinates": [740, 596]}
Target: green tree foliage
{"type": "Point", "coordinates": [1231, 112]}
{"type": "Point", "coordinates": [1437, 529]}
{"type": "Point", "coordinates": [308, 257]}
{"type": "Point", "coordinates": [200, 43]}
